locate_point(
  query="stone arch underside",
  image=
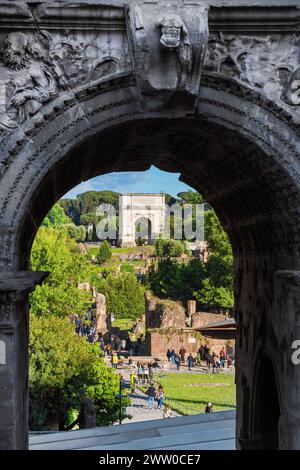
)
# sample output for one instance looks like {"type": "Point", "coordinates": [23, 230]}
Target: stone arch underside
{"type": "Point", "coordinates": [240, 151]}
{"type": "Point", "coordinates": [240, 154]}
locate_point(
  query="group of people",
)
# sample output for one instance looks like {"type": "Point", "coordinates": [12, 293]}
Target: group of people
{"type": "Point", "coordinates": [178, 359]}
{"type": "Point", "coordinates": [115, 346]}
{"type": "Point", "coordinates": [121, 345]}
{"type": "Point", "coordinates": [86, 326]}
{"type": "Point", "coordinates": [154, 394]}
{"type": "Point", "coordinates": [158, 395]}
{"type": "Point", "coordinates": [213, 360]}
{"type": "Point", "coordinates": [143, 373]}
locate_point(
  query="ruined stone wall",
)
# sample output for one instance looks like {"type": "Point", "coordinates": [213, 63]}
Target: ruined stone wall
{"type": "Point", "coordinates": [164, 313]}
{"type": "Point", "coordinates": [159, 341]}
{"type": "Point", "coordinates": [200, 319]}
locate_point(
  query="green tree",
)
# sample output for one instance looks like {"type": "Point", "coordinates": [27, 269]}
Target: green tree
{"type": "Point", "coordinates": [217, 297]}
{"type": "Point", "coordinates": [53, 251]}
{"type": "Point", "coordinates": [217, 288]}
{"type": "Point", "coordinates": [169, 248]}
{"type": "Point", "coordinates": [210, 283]}
{"type": "Point", "coordinates": [72, 209]}
{"type": "Point", "coordinates": [56, 217]}
{"type": "Point", "coordinates": [175, 280]}
{"type": "Point", "coordinates": [89, 218]}
{"type": "Point", "coordinates": [104, 253]}
{"type": "Point", "coordinates": [64, 368]}
{"type": "Point", "coordinates": [124, 294]}
{"type": "Point", "coordinates": [165, 279]}
{"type": "Point", "coordinates": [77, 233]}
{"type": "Point", "coordinates": [215, 235]}
{"type": "Point", "coordinates": [191, 197]}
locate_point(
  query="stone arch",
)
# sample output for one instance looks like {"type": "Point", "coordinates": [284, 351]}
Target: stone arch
{"type": "Point", "coordinates": [140, 207]}
{"type": "Point", "coordinates": [71, 124]}
{"type": "Point", "coordinates": [240, 150]}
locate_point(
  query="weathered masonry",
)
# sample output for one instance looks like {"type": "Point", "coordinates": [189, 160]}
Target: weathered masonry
{"type": "Point", "coordinates": [210, 90]}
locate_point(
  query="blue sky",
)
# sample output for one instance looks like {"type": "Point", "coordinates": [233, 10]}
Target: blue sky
{"type": "Point", "coordinates": [151, 181]}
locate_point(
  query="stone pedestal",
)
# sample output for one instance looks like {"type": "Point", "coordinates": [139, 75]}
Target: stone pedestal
{"type": "Point", "coordinates": [14, 332]}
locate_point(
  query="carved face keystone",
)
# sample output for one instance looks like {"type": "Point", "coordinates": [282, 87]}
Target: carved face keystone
{"type": "Point", "coordinates": [170, 32]}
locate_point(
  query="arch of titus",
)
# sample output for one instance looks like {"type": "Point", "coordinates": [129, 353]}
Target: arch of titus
{"type": "Point", "coordinates": [134, 207]}
{"type": "Point", "coordinates": [207, 89]}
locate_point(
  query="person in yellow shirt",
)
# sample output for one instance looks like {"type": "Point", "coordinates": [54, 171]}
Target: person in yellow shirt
{"type": "Point", "coordinates": [132, 381]}
{"type": "Point", "coordinates": [115, 361]}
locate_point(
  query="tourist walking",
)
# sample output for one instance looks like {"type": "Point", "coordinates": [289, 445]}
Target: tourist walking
{"type": "Point", "coordinates": [222, 355]}
{"type": "Point", "coordinates": [140, 372]}
{"type": "Point", "coordinates": [190, 361]}
{"type": "Point", "coordinates": [150, 368]}
{"type": "Point", "coordinates": [172, 357]}
{"type": "Point", "coordinates": [215, 364]}
{"type": "Point", "coordinates": [208, 359]}
{"type": "Point", "coordinates": [206, 351]}
{"type": "Point", "coordinates": [102, 345]}
{"type": "Point", "coordinates": [145, 374]}
{"type": "Point", "coordinates": [169, 354]}
{"type": "Point", "coordinates": [151, 392]}
{"type": "Point", "coordinates": [132, 381]}
{"type": "Point", "coordinates": [202, 352]}
{"type": "Point", "coordinates": [160, 397]}
{"type": "Point", "coordinates": [107, 350]}
{"type": "Point", "coordinates": [115, 360]}
{"type": "Point", "coordinates": [177, 361]}
{"type": "Point", "coordinates": [182, 353]}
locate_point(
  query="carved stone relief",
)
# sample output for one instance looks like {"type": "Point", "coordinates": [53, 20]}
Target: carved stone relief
{"type": "Point", "coordinates": [36, 67]}
{"type": "Point", "coordinates": [267, 63]}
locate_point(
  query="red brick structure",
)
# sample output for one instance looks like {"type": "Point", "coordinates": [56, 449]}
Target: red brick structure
{"type": "Point", "coordinates": [168, 327]}
{"type": "Point", "coordinates": [161, 339]}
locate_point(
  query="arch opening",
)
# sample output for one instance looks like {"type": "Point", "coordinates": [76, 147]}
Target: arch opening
{"type": "Point", "coordinates": [255, 199]}
{"type": "Point", "coordinates": [143, 230]}
{"type": "Point", "coordinates": [266, 406]}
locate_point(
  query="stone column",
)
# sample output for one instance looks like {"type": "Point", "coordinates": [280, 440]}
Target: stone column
{"type": "Point", "coordinates": [14, 323]}
{"type": "Point", "coordinates": [103, 322]}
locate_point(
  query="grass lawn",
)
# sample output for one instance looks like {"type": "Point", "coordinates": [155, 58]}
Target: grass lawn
{"type": "Point", "coordinates": [189, 393]}
{"type": "Point", "coordinates": [131, 249]}
{"type": "Point", "coordinates": [127, 268]}
{"type": "Point", "coordinates": [125, 324]}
